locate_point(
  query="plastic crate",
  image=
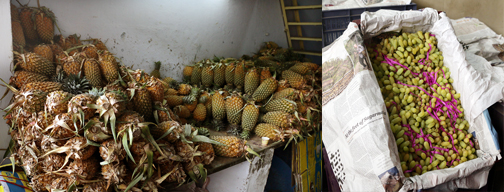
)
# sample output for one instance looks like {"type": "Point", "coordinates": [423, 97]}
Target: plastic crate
{"type": "Point", "coordinates": [336, 21]}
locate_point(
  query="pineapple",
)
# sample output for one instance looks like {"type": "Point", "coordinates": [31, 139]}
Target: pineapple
{"type": "Point", "coordinates": [72, 65]}
{"type": "Point", "coordinates": [29, 101]}
{"type": "Point", "coordinates": [114, 173]}
{"type": "Point", "coordinates": [239, 76]}
{"type": "Point", "coordinates": [264, 90]}
{"type": "Point", "coordinates": [48, 143]}
{"type": "Point", "coordinates": [44, 22]}
{"type": "Point", "coordinates": [131, 123]}
{"type": "Point", "coordinates": [42, 182]}
{"type": "Point", "coordinates": [21, 78]}
{"type": "Point", "coordinates": [192, 97]}
{"type": "Point", "coordinates": [142, 102]}
{"type": "Point", "coordinates": [108, 66]}
{"type": "Point", "coordinates": [182, 111]}
{"type": "Point", "coordinates": [184, 89]}
{"type": "Point", "coordinates": [200, 112]}
{"type": "Point", "coordinates": [163, 127]}
{"type": "Point", "coordinates": [62, 127]}
{"type": "Point", "coordinates": [100, 185]}
{"type": "Point", "coordinates": [192, 106]}
{"type": "Point", "coordinates": [295, 80]}
{"type": "Point", "coordinates": [110, 105]}
{"type": "Point", "coordinates": [196, 75]}
{"type": "Point", "coordinates": [282, 85]}
{"type": "Point", "coordinates": [175, 171]}
{"type": "Point", "coordinates": [46, 86]}
{"type": "Point", "coordinates": [229, 74]}
{"type": "Point", "coordinates": [53, 162]}
{"type": "Point", "coordinates": [218, 106]}
{"type": "Point", "coordinates": [100, 45]}
{"type": "Point", "coordinates": [14, 12]}
{"type": "Point", "coordinates": [79, 149]}
{"type": "Point", "coordinates": [98, 132]}
{"type": "Point", "coordinates": [233, 146]}
{"type": "Point", "coordinates": [249, 119]}
{"type": "Point", "coordinates": [312, 66]}
{"type": "Point", "coordinates": [57, 102]}
{"type": "Point", "coordinates": [251, 81]}
{"type": "Point", "coordinates": [208, 152]}
{"type": "Point", "coordinates": [206, 99]}
{"type": "Point", "coordinates": [112, 152]}
{"type": "Point", "coordinates": [27, 23]}
{"type": "Point", "coordinates": [207, 76]}
{"type": "Point", "coordinates": [271, 131]}
{"type": "Point", "coordinates": [62, 182]}
{"type": "Point", "coordinates": [234, 105]}
{"type": "Point", "coordinates": [278, 118]}
{"type": "Point", "coordinates": [90, 51]}
{"type": "Point", "coordinates": [92, 72]}
{"type": "Point", "coordinates": [155, 89]}
{"type": "Point", "coordinates": [18, 37]}
{"type": "Point", "coordinates": [300, 68]}
{"type": "Point", "coordinates": [80, 103]}
{"type": "Point", "coordinates": [171, 91]}
{"type": "Point", "coordinates": [281, 104]}
{"type": "Point", "coordinates": [155, 73]}
{"type": "Point", "coordinates": [187, 73]}
{"type": "Point", "coordinates": [288, 93]}
{"type": "Point", "coordinates": [219, 75]}
{"type": "Point", "coordinates": [35, 63]}
{"type": "Point", "coordinates": [44, 51]}
{"type": "Point", "coordinates": [174, 100]}
{"type": "Point", "coordinates": [163, 112]}
{"type": "Point", "coordinates": [86, 169]}
{"type": "Point", "coordinates": [168, 153]}
{"type": "Point", "coordinates": [265, 74]}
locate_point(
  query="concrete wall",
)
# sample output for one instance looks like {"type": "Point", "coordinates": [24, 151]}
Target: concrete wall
{"type": "Point", "coordinates": [5, 62]}
{"type": "Point", "coordinates": [489, 12]}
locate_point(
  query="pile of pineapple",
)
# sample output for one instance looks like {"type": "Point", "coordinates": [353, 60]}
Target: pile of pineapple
{"type": "Point", "coordinates": [80, 120]}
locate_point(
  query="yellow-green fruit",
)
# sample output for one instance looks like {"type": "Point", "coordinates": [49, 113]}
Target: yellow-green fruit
{"type": "Point", "coordinates": [44, 24]}
{"type": "Point", "coordinates": [31, 101]}
{"type": "Point", "coordinates": [220, 75]}
{"type": "Point", "coordinates": [268, 130]}
{"type": "Point", "coordinates": [173, 100]}
{"type": "Point", "coordinates": [278, 118]}
{"type": "Point", "coordinates": [233, 146]}
{"type": "Point", "coordinates": [187, 72]}
{"type": "Point", "coordinates": [300, 68]}
{"type": "Point", "coordinates": [57, 102]}
{"type": "Point", "coordinates": [44, 51]}
{"type": "Point", "coordinates": [92, 72]}
{"type": "Point", "coordinates": [282, 104]}
{"type": "Point", "coordinates": [251, 81]}
{"type": "Point", "coordinates": [207, 76]}
{"type": "Point", "coordinates": [182, 111]}
{"type": "Point", "coordinates": [288, 93]}
{"type": "Point", "coordinates": [295, 80]}
{"type": "Point", "coordinates": [143, 103]}
{"type": "Point", "coordinates": [264, 90]}
{"type": "Point", "coordinates": [234, 105]}
{"type": "Point", "coordinates": [35, 63]}
{"type": "Point", "coordinates": [200, 112]}
{"type": "Point", "coordinates": [155, 72]}
{"type": "Point", "coordinates": [249, 119]}
{"type": "Point", "coordinates": [46, 86]}
{"type": "Point", "coordinates": [109, 67]}
{"type": "Point", "coordinates": [229, 74]}
{"type": "Point", "coordinates": [196, 75]}
{"type": "Point", "coordinates": [218, 106]}
{"type": "Point", "coordinates": [21, 78]}
{"type": "Point", "coordinates": [239, 75]}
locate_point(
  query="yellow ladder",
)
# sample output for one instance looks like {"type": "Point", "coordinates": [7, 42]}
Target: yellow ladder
{"type": "Point", "coordinates": [298, 25]}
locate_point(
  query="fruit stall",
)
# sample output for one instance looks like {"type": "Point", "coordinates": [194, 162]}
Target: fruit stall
{"type": "Point", "coordinates": [153, 96]}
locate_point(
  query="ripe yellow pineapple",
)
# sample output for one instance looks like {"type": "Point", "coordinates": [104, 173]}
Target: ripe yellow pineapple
{"type": "Point", "coordinates": [271, 131]}
{"type": "Point", "coordinates": [142, 102]}
{"type": "Point", "coordinates": [98, 132]}
{"type": "Point", "coordinates": [249, 119]}
{"type": "Point", "coordinates": [156, 89]}
{"type": "Point", "coordinates": [192, 106]}
{"type": "Point", "coordinates": [108, 66]}
{"type": "Point", "coordinates": [187, 73]}
{"type": "Point", "coordinates": [53, 162]}
{"type": "Point", "coordinates": [207, 75]}
{"type": "Point", "coordinates": [184, 89]}
{"type": "Point", "coordinates": [233, 146]}
{"type": "Point", "coordinates": [278, 118]}
{"type": "Point", "coordinates": [72, 65]}
{"type": "Point", "coordinates": [182, 111]}
{"type": "Point", "coordinates": [173, 100]}
{"type": "Point", "coordinates": [208, 152]}
{"type": "Point", "coordinates": [90, 51]}
{"type": "Point", "coordinates": [44, 22]}
{"type": "Point", "coordinates": [79, 149]}
{"type": "Point", "coordinates": [234, 104]}
{"type": "Point", "coordinates": [155, 73]}
{"type": "Point", "coordinates": [44, 51]}
{"type": "Point", "coordinates": [200, 112]}
{"type": "Point", "coordinates": [87, 169]}
{"type": "Point", "coordinates": [92, 72]}
{"type": "Point", "coordinates": [295, 80]}
{"type": "Point", "coordinates": [18, 37]}
{"type": "Point", "coordinates": [27, 23]}
{"type": "Point", "coordinates": [21, 78]}
{"type": "Point", "coordinates": [112, 152]}
{"type": "Point", "coordinates": [35, 63]}
{"type": "Point", "coordinates": [219, 75]}
{"type": "Point", "coordinates": [300, 68]}
{"type": "Point", "coordinates": [251, 81]}
{"type": "Point", "coordinates": [196, 74]}
{"type": "Point", "coordinates": [229, 74]}
{"type": "Point", "coordinates": [130, 122]}
{"type": "Point", "coordinates": [288, 93]}
{"type": "Point", "coordinates": [163, 127]}
{"type": "Point", "coordinates": [281, 104]}
{"type": "Point", "coordinates": [239, 75]}
{"type": "Point", "coordinates": [264, 90]}
{"type": "Point", "coordinates": [100, 45]}
{"type": "Point", "coordinates": [46, 86]}
{"type": "Point", "coordinates": [80, 103]}
{"type": "Point", "coordinates": [265, 74]}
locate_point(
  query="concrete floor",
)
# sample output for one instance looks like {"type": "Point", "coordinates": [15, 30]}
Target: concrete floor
{"type": "Point", "coordinates": [489, 12]}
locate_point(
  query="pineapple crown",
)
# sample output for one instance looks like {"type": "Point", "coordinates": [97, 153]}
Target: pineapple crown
{"type": "Point", "coordinates": [157, 65]}
{"type": "Point", "coordinates": [174, 84]}
{"type": "Point", "coordinates": [97, 92]}
{"type": "Point", "coordinates": [75, 84]}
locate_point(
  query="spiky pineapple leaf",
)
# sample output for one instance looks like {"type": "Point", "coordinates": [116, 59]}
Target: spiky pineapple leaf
{"type": "Point", "coordinates": [201, 138]}
{"type": "Point", "coordinates": [134, 182]}
{"type": "Point", "coordinates": [167, 132]}
{"type": "Point", "coordinates": [150, 160]}
{"type": "Point", "coordinates": [126, 148]}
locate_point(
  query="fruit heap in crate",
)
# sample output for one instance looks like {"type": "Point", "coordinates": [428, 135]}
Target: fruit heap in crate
{"type": "Point", "coordinates": [81, 120]}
